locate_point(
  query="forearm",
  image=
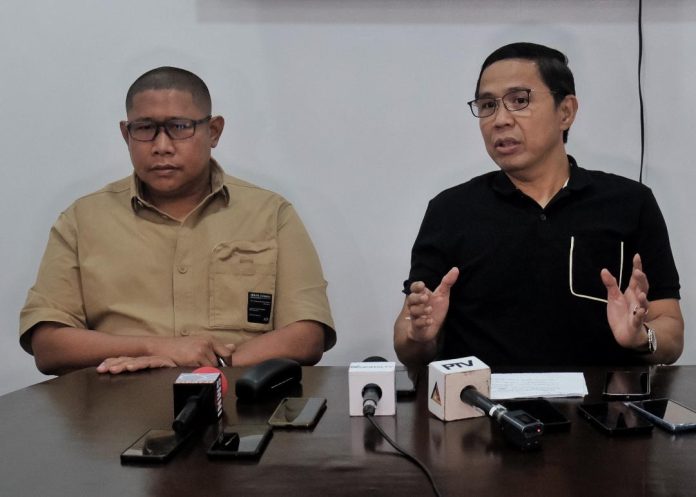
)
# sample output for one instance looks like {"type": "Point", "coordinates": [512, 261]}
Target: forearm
{"type": "Point", "coordinates": [411, 353]}
{"type": "Point", "coordinates": [302, 341]}
{"type": "Point", "coordinates": [58, 349]}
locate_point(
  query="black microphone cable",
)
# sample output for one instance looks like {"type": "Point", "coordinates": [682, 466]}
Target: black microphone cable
{"type": "Point", "coordinates": [371, 395]}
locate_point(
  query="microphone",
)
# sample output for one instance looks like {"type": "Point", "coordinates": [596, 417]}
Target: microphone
{"type": "Point", "coordinates": [518, 427]}
{"type": "Point", "coordinates": [371, 387]}
{"type": "Point", "coordinates": [198, 398]}
{"type": "Point", "coordinates": [384, 373]}
{"type": "Point", "coordinates": [371, 395]}
{"type": "Point", "coordinates": [446, 380]}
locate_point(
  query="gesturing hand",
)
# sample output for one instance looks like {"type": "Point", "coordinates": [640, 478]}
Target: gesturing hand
{"type": "Point", "coordinates": [427, 310]}
{"type": "Point", "coordinates": [627, 311]}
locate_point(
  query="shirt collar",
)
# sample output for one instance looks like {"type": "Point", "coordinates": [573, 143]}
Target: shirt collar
{"type": "Point", "coordinates": [579, 179]}
{"type": "Point", "coordinates": [217, 182]}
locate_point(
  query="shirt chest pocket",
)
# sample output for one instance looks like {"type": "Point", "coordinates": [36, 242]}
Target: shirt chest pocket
{"type": "Point", "coordinates": [589, 254]}
{"type": "Point", "coordinates": [242, 285]}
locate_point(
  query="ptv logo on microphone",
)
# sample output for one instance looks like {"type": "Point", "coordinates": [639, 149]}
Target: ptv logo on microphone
{"type": "Point", "coordinates": [447, 378]}
{"type": "Point", "coordinates": [458, 365]}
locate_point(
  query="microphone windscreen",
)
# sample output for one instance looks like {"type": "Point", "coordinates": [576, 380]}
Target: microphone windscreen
{"type": "Point", "coordinates": [374, 358]}
{"type": "Point", "coordinates": [268, 378]}
{"type": "Point", "coordinates": [211, 369]}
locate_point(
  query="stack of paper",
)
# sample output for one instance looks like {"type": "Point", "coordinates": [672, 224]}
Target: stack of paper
{"type": "Point", "coordinates": [526, 385]}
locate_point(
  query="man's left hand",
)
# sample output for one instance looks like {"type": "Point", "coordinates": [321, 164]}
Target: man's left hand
{"type": "Point", "coordinates": [627, 311]}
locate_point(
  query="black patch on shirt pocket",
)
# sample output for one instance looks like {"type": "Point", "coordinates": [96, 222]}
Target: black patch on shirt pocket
{"type": "Point", "coordinates": [259, 307]}
{"type": "Point", "coordinates": [239, 269]}
{"type": "Point", "coordinates": [591, 254]}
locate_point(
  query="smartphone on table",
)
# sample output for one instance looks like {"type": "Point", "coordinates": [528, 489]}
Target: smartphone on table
{"type": "Point", "coordinates": [298, 412]}
{"type": "Point", "coordinates": [241, 441]}
{"type": "Point", "coordinates": [626, 385]}
{"type": "Point", "coordinates": [615, 418]}
{"type": "Point", "coordinates": [405, 382]}
{"type": "Point", "coordinates": [542, 410]}
{"type": "Point", "coordinates": [667, 414]}
{"type": "Point", "coordinates": [155, 446]}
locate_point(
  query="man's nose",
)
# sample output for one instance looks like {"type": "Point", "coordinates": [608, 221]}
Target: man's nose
{"type": "Point", "coordinates": [502, 116]}
{"type": "Point", "coordinates": [162, 144]}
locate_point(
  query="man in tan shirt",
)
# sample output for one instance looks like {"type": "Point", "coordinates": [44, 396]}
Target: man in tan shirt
{"type": "Point", "coordinates": [178, 264]}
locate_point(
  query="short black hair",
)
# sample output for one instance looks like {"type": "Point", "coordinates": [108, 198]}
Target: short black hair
{"type": "Point", "coordinates": [552, 64]}
{"type": "Point", "coordinates": [171, 78]}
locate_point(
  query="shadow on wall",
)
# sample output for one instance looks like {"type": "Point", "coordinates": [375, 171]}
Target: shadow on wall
{"type": "Point", "coordinates": [439, 11]}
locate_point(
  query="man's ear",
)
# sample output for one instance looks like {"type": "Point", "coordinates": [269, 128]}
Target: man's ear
{"type": "Point", "coordinates": [216, 125]}
{"type": "Point", "coordinates": [568, 109]}
{"type": "Point", "coordinates": [124, 131]}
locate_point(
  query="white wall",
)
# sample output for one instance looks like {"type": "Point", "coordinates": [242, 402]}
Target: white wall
{"type": "Point", "coordinates": [353, 109]}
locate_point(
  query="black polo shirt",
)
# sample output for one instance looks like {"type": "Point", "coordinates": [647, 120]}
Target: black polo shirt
{"type": "Point", "coordinates": [512, 304]}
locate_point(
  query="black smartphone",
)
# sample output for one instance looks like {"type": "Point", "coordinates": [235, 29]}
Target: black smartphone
{"type": "Point", "coordinates": [615, 418]}
{"type": "Point", "coordinates": [542, 410]}
{"type": "Point", "coordinates": [667, 414]}
{"type": "Point", "coordinates": [405, 383]}
{"type": "Point", "coordinates": [155, 446]}
{"type": "Point", "coordinates": [298, 412]}
{"type": "Point", "coordinates": [626, 385]}
{"type": "Point", "coordinates": [241, 441]}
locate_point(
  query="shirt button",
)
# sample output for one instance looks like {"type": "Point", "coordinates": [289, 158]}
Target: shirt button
{"type": "Point", "coordinates": [542, 217]}
{"type": "Point", "coordinates": [185, 333]}
{"type": "Point", "coordinates": [182, 269]}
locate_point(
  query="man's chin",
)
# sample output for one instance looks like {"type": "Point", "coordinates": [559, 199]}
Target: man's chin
{"type": "Point", "coordinates": [166, 189]}
{"type": "Point", "coordinates": [510, 164]}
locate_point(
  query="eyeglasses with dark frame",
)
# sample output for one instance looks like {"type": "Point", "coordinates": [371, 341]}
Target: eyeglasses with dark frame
{"type": "Point", "coordinates": [513, 101]}
{"type": "Point", "coordinates": [146, 130]}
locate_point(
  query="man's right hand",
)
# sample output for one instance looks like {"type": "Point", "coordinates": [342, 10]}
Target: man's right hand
{"type": "Point", "coordinates": [427, 310]}
{"type": "Point", "coordinates": [117, 365]}
{"type": "Point", "coordinates": [199, 350]}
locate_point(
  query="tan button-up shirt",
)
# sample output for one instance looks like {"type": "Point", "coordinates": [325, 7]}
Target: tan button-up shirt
{"type": "Point", "coordinates": [240, 264]}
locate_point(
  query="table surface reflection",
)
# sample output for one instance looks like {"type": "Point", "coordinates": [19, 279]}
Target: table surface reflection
{"type": "Point", "coordinates": [64, 437]}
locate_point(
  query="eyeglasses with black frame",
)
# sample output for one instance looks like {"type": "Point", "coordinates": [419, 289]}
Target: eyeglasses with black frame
{"type": "Point", "coordinates": [513, 101]}
{"type": "Point", "coordinates": [146, 130]}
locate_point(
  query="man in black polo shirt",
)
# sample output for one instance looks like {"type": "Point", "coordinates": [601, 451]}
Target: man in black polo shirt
{"type": "Point", "coordinates": [542, 262]}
